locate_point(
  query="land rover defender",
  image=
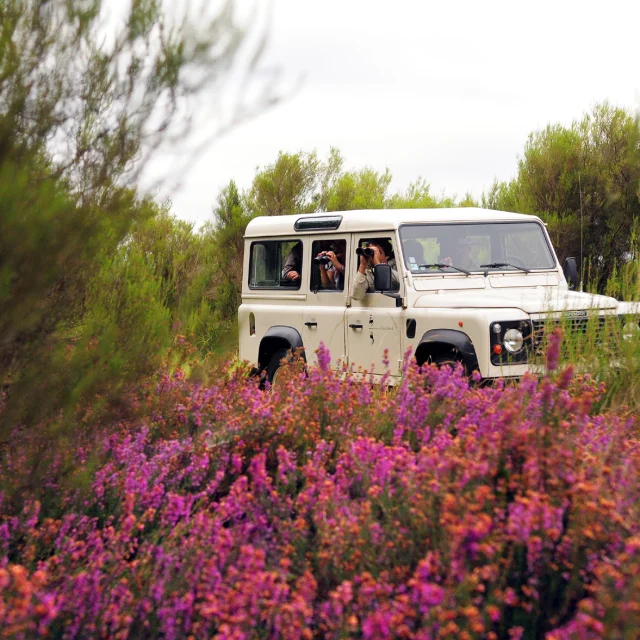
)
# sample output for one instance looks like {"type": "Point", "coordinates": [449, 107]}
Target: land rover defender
{"type": "Point", "coordinates": [462, 285]}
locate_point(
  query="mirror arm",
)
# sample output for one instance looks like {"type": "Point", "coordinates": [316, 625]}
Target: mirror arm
{"type": "Point", "coordinates": [396, 296]}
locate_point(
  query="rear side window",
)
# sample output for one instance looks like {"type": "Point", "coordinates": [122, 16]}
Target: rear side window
{"type": "Point", "coordinates": [275, 264]}
{"type": "Point", "coordinates": [328, 258]}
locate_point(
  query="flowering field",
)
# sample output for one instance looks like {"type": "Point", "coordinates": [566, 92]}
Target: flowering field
{"type": "Point", "coordinates": [332, 509]}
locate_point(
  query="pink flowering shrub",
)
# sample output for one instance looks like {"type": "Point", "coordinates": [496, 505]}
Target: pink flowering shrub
{"type": "Point", "coordinates": [335, 509]}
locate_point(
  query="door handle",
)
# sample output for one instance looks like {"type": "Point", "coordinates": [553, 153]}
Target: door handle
{"type": "Point", "coordinates": [355, 326]}
{"type": "Point", "coordinates": [311, 324]}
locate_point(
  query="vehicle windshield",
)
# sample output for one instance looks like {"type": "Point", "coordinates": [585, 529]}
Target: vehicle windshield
{"type": "Point", "coordinates": [490, 246]}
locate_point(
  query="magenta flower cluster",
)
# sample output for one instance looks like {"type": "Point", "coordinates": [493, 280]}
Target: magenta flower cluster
{"type": "Point", "coordinates": [332, 508]}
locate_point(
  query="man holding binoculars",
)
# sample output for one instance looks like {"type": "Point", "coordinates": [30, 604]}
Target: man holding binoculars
{"type": "Point", "coordinates": [331, 266]}
{"type": "Point", "coordinates": [373, 252]}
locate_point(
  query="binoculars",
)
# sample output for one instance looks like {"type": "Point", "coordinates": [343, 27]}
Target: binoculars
{"type": "Point", "coordinates": [325, 260]}
{"type": "Point", "coordinates": [367, 252]}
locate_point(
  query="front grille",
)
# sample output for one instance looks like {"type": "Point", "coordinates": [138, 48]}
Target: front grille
{"type": "Point", "coordinates": [587, 331]}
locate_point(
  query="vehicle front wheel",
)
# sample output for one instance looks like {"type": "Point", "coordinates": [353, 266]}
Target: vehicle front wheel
{"type": "Point", "coordinates": [449, 360]}
{"type": "Point", "coordinates": [444, 360]}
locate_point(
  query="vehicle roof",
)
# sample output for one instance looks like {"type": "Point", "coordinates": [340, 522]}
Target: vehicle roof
{"type": "Point", "coordinates": [379, 220]}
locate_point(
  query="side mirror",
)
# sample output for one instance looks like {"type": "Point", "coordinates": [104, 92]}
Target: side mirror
{"type": "Point", "coordinates": [382, 277]}
{"type": "Point", "coordinates": [571, 272]}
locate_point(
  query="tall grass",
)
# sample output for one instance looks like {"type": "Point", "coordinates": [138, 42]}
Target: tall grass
{"type": "Point", "coordinates": [609, 350]}
{"type": "Point", "coordinates": [624, 281]}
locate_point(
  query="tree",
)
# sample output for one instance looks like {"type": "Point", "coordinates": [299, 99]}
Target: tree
{"type": "Point", "coordinates": [329, 173]}
{"type": "Point", "coordinates": [584, 181]}
{"type": "Point", "coordinates": [296, 183]}
{"type": "Point", "coordinates": [286, 186]}
{"type": "Point", "coordinates": [468, 201]}
{"type": "Point", "coordinates": [82, 109]}
{"type": "Point", "coordinates": [503, 196]}
{"type": "Point", "coordinates": [417, 196]}
{"type": "Point", "coordinates": [227, 236]}
{"type": "Point", "coordinates": [363, 189]}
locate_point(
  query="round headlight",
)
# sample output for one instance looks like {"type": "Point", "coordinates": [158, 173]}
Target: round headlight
{"type": "Point", "coordinates": [513, 341]}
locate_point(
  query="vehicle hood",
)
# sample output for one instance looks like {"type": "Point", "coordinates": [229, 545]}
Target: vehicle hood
{"type": "Point", "coordinates": [530, 300]}
{"type": "Point", "coordinates": [629, 308]}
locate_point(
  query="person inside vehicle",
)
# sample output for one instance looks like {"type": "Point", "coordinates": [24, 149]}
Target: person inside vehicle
{"type": "Point", "coordinates": [332, 274]}
{"type": "Point", "coordinates": [382, 253]}
{"type": "Point", "coordinates": [413, 254]}
{"type": "Point", "coordinates": [292, 269]}
{"type": "Point", "coordinates": [457, 253]}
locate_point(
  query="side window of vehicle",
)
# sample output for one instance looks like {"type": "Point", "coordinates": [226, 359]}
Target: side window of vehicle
{"type": "Point", "coordinates": [328, 265]}
{"type": "Point", "coordinates": [275, 264]}
{"type": "Point", "coordinates": [367, 247]}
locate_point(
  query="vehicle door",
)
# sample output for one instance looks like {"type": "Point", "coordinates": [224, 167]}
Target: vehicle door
{"type": "Point", "coordinates": [374, 325]}
{"type": "Point", "coordinates": [324, 314]}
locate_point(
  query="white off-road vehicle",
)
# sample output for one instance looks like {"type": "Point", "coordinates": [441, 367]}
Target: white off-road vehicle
{"type": "Point", "coordinates": [469, 285]}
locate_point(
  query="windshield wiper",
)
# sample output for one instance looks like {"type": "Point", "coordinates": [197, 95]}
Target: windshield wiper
{"type": "Point", "coordinates": [440, 265]}
{"type": "Point", "coordinates": [498, 265]}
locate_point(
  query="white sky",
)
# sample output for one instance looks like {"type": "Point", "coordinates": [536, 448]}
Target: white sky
{"type": "Point", "coordinates": [444, 90]}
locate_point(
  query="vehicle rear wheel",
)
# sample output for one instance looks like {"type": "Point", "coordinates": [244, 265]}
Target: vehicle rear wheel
{"type": "Point", "coordinates": [283, 366]}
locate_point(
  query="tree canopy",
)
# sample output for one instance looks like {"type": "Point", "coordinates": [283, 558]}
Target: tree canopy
{"type": "Point", "coordinates": [83, 105]}
{"type": "Point", "coordinates": [584, 181]}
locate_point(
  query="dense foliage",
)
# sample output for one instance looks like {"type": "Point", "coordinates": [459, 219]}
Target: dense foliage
{"type": "Point", "coordinates": [584, 181]}
{"type": "Point", "coordinates": [329, 508]}
{"type": "Point", "coordinates": [85, 303]}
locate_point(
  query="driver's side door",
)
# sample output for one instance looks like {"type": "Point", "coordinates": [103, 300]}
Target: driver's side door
{"type": "Point", "coordinates": [374, 327]}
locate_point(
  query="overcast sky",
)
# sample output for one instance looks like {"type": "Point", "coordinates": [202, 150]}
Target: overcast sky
{"type": "Point", "coordinates": [444, 90]}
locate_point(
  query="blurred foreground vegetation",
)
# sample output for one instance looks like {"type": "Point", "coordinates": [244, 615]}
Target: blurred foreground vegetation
{"type": "Point", "coordinates": [95, 279]}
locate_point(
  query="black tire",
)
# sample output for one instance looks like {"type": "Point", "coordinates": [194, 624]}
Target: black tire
{"type": "Point", "coordinates": [447, 360]}
{"type": "Point", "coordinates": [275, 363]}
{"type": "Point", "coordinates": [444, 359]}
{"type": "Point", "coordinates": [282, 362]}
